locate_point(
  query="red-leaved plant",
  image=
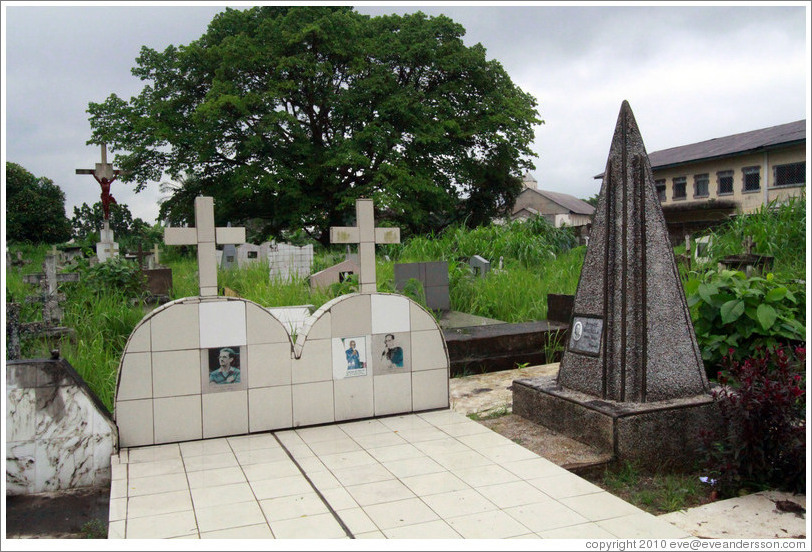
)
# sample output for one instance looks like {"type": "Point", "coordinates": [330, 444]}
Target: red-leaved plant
{"type": "Point", "coordinates": [762, 402]}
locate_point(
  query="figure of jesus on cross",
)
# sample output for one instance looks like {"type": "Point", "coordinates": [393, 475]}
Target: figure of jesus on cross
{"type": "Point", "coordinates": [104, 175]}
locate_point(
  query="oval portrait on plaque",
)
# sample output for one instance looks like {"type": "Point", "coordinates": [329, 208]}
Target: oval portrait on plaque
{"type": "Point", "coordinates": [577, 330]}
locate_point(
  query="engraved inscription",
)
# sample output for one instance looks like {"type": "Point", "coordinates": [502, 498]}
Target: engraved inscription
{"type": "Point", "coordinates": [586, 335]}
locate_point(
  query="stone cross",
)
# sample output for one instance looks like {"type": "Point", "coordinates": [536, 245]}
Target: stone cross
{"type": "Point", "coordinates": [204, 235]}
{"type": "Point", "coordinates": [105, 175]}
{"type": "Point", "coordinates": [366, 236]}
{"type": "Point", "coordinates": [48, 281]}
{"type": "Point", "coordinates": [140, 255]}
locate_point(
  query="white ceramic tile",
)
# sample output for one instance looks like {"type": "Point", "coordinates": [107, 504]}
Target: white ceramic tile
{"type": "Point", "coordinates": [232, 493]}
{"type": "Point", "coordinates": [293, 506]}
{"type": "Point", "coordinates": [258, 531]}
{"type": "Point", "coordinates": [338, 498]}
{"type": "Point", "coordinates": [151, 469]}
{"type": "Point", "coordinates": [321, 327]}
{"type": "Point", "coordinates": [175, 328]}
{"type": "Point", "coordinates": [139, 340]}
{"type": "Point", "coordinates": [204, 447]}
{"type": "Point", "coordinates": [582, 531]}
{"type": "Point", "coordinates": [441, 446]}
{"type": "Point", "coordinates": [351, 316]}
{"type": "Point", "coordinates": [390, 313]}
{"type": "Point", "coordinates": [363, 428]}
{"type": "Point", "coordinates": [485, 475]}
{"type": "Point", "coordinates": [380, 440]}
{"type": "Point", "coordinates": [313, 403]}
{"type": "Point", "coordinates": [241, 514]}
{"type": "Point", "coordinates": [210, 462]}
{"type": "Point", "coordinates": [393, 394]}
{"type": "Point", "coordinates": [511, 493]}
{"type": "Point", "coordinates": [334, 446]}
{"type": "Point", "coordinates": [421, 435]}
{"type": "Point", "coordinates": [157, 484]}
{"type": "Point", "coordinates": [316, 363]}
{"type": "Point", "coordinates": [225, 414]}
{"type": "Point", "coordinates": [322, 526]}
{"type": "Point", "coordinates": [222, 324]}
{"type": "Point", "coordinates": [269, 364]}
{"type": "Point", "coordinates": [321, 479]}
{"type": "Point", "coordinates": [482, 441]}
{"type": "Point", "coordinates": [257, 441]}
{"type": "Point", "coordinates": [157, 504]}
{"type": "Point", "coordinates": [641, 524]}
{"type": "Point", "coordinates": [413, 466]}
{"type": "Point", "coordinates": [310, 435]}
{"type": "Point", "coordinates": [178, 419]}
{"type": "Point", "coordinates": [344, 460]}
{"type": "Point", "coordinates": [366, 254]}
{"type": "Point", "coordinates": [207, 269]}
{"type": "Point", "coordinates": [215, 477]}
{"type": "Point", "coordinates": [430, 389]}
{"type": "Point", "coordinates": [353, 398]}
{"type": "Point", "coordinates": [459, 460]}
{"type": "Point", "coordinates": [357, 521]}
{"type": "Point", "coordinates": [599, 506]}
{"type": "Point", "coordinates": [458, 503]}
{"type": "Point", "coordinates": [134, 421]}
{"type": "Point", "coordinates": [501, 454]}
{"type": "Point", "coordinates": [369, 535]}
{"type": "Point", "coordinates": [163, 526]}
{"type": "Point", "coordinates": [152, 454]}
{"type": "Point", "coordinates": [434, 483]}
{"type": "Point", "coordinates": [175, 373]}
{"type": "Point", "coordinates": [438, 529]}
{"type": "Point", "coordinates": [395, 452]}
{"type": "Point", "coordinates": [118, 509]}
{"type": "Point", "coordinates": [389, 490]}
{"type": "Point", "coordinates": [281, 486]}
{"type": "Point", "coordinates": [405, 422]}
{"type": "Point", "coordinates": [116, 529]}
{"type": "Point", "coordinates": [564, 485]}
{"type": "Point", "coordinates": [544, 516]}
{"type": "Point", "coordinates": [270, 470]}
{"type": "Point", "coordinates": [400, 513]}
{"type": "Point", "coordinates": [270, 408]}
{"type": "Point", "coordinates": [369, 473]}
{"type": "Point", "coordinates": [443, 418]}
{"type": "Point", "coordinates": [261, 456]}
{"type": "Point", "coordinates": [135, 377]}
{"type": "Point", "coordinates": [492, 524]}
{"type": "Point", "coordinates": [420, 318]}
{"type": "Point", "coordinates": [533, 468]}
{"type": "Point", "coordinates": [428, 350]}
{"type": "Point", "coordinates": [262, 327]}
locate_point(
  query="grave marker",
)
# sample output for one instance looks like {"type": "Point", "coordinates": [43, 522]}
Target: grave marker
{"type": "Point", "coordinates": [228, 259]}
{"type": "Point", "coordinates": [48, 280]}
{"type": "Point", "coordinates": [105, 175]}
{"type": "Point", "coordinates": [366, 236]}
{"type": "Point", "coordinates": [204, 235]}
{"type": "Point", "coordinates": [631, 377]}
{"type": "Point", "coordinates": [479, 266]}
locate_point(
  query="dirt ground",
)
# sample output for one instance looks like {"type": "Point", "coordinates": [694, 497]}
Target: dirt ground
{"type": "Point", "coordinates": [58, 515]}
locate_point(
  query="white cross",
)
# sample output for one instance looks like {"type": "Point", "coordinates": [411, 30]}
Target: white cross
{"type": "Point", "coordinates": [103, 169]}
{"type": "Point", "coordinates": [366, 236]}
{"type": "Point", "coordinates": [204, 235]}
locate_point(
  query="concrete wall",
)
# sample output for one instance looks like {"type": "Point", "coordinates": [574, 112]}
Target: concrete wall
{"type": "Point", "coordinates": [58, 434]}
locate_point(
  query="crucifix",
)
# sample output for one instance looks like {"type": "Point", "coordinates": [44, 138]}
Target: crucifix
{"type": "Point", "coordinates": [204, 235]}
{"type": "Point", "coordinates": [366, 236]}
{"type": "Point", "coordinates": [104, 175]}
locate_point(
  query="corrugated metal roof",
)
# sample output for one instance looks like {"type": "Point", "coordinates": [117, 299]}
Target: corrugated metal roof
{"type": "Point", "coordinates": [572, 203]}
{"type": "Point", "coordinates": [729, 145]}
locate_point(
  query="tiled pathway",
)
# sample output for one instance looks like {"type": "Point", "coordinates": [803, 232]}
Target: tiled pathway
{"type": "Point", "coordinates": [429, 475]}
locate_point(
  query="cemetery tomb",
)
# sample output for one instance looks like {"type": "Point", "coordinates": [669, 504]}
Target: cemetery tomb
{"type": "Point", "coordinates": [287, 261]}
{"type": "Point", "coordinates": [210, 366]}
{"type": "Point", "coordinates": [248, 253]}
{"type": "Point", "coordinates": [479, 266]}
{"type": "Point", "coordinates": [631, 378]}
{"type": "Point", "coordinates": [334, 274]}
{"type": "Point", "coordinates": [433, 276]}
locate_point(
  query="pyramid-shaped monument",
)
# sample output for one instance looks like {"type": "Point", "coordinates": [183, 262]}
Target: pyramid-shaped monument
{"type": "Point", "coordinates": [631, 380]}
{"type": "Point", "coordinates": [631, 338]}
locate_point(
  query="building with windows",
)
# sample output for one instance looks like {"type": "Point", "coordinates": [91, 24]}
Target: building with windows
{"type": "Point", "coordinates": [702, 184]}
{"type": "Point", "coordinates": [557, 208]}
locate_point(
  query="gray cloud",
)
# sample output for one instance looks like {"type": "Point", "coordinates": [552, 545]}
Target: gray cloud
{"type": "Point", "coordinates": [690, 73]}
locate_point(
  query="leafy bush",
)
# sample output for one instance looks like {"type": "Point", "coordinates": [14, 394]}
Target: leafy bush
{"type": "Point", "coordinates": [116, 274]}
{"type": "Point", "coordinates": [731, 311]}
{"type": "Point", "coordinates": [763, 443]}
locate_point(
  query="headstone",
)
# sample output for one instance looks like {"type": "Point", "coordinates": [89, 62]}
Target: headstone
{"type": "Point", "coordinates": [204, 235]}
{"type": "Point", "coordinates": [334, 274]}
{"type": "Point", "coordinates": [366, 236]}
{"type": "Point", "coordinates": [106, 247]}
{"type": "Point", "coordinates": [287, 261]}
{"type": "Point", "coordinates": [631, 377]}
{"type": "Point", "coordinates": [248, 253]}
{"type": "Point", "coordinates": [559, 307]}
{"type": "Point", "coordinates": [479, 266]}
{"type": "Point", "coordinates": [48, 280]}
{"type": "Point", "coordinates": [228, 259]}
{"type": "Point", "coordinates": [701, 246]}
{"type": "Point", "coordinates": [104, 174]}
{"type": "Point", "coordinates": [434, 278]}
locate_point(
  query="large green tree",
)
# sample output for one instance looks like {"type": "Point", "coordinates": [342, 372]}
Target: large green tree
{"type": "Point", "coordinates": [128, 231]}
{"type": "Point", "coordinates": [35, 208]}
{"type": "Point", "coordinates": [288, 114]}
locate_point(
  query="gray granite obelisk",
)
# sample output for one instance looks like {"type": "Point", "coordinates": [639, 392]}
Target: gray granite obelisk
{"type": "Point", "coordinates": [632, 339]}
{"type": "Point", "coordinates": [631, 380]}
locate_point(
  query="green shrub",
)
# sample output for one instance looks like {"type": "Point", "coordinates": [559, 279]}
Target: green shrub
{"type": "Point", "coordinates": [116, 274]}
{"type": "Point", "coordinates": [731, 311]}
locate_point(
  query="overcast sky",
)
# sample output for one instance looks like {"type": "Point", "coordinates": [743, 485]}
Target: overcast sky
{"type": "Point", "coordinates": [690, 73]}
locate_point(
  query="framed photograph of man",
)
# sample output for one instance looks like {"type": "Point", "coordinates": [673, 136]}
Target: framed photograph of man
{"type": "Point", "coordinates": [391, 353]}
{"type": "Point", "coordinates": [350, 357]}
{"type": "Point", "coordinates": [222, 369]}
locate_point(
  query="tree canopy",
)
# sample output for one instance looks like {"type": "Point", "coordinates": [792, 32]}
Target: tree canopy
{"type": "Point", "coordinates": [35, 208]}
{"type": "Point", "coordinates": [129, 232]}
{"type": "Point", "coordinates": [287, 115]}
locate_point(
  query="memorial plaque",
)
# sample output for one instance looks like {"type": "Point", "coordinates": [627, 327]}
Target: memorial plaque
{"type": "Point", "coordinates": [585, 336]}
